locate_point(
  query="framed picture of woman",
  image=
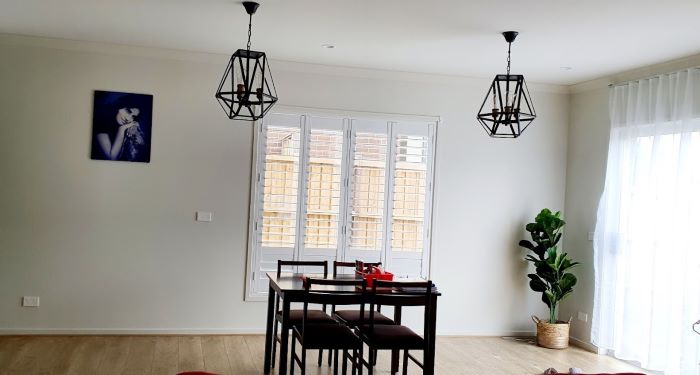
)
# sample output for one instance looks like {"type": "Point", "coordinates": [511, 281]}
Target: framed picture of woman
{"type": "Point", "coordinates": [121, 126]}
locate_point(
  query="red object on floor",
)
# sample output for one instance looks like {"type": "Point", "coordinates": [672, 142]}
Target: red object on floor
{"type": "Point", "coordinates": [196, 373]}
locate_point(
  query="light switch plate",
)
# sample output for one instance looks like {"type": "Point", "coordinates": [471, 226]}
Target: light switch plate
{"type": "Point", "coordinates": [582, 316]}
{"type": "Point", "coordinates": [203, 216]}
{"type": "Point", "coordinates": [591, 236]}
{"type": "Point", "coordinates": [30, 301]}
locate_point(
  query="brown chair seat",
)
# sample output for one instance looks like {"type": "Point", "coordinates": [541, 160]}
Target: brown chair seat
{"type": "Point", "coordinates": [296, 316]}
{"type": "Point", "coordinates": [326, 336]}
{"type": "Point", "coordinates": [352, 317]}
{"type": "Point", "coordinates": [386, 336]}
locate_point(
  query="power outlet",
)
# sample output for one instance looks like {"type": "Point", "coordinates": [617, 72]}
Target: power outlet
{"type": "Point", "coordinates": [30, 301]}
{"type": "Point", "coordinates": [582, 316]}
{"type": "Point", "coordinates": [203, 216]}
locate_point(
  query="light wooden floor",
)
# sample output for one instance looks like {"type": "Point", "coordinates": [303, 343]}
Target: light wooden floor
{"type": "Point", "coordinates": [243, 355]}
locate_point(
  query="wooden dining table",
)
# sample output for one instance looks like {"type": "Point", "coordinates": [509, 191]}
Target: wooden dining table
{"type": "Point", "coordinates": [290, 288]}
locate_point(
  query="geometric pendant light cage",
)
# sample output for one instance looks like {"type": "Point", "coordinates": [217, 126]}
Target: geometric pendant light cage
{"type": "Point", "coordinates": [507, 109]}
{"type": "Point", "coordinates": [247, 91]}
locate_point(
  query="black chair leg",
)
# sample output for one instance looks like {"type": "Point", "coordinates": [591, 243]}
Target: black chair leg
{"type": "Point", "coordinates": [374, 358]}
{"type": "Point", "coordinates": [335, 366]}
{"type": "Point", "coordinates": [354, 361]}
{"type": "Point", "coordinates": [303, 362]}
{"type": "Point", "coordinates": [330, 355]}
{"type": "Point", "coordinates": [344, 363]}
{"type": "Point", "coordinates": [359, 361]}
{"type": "Point", "coordinates": [293, 363]}
{"type": "Point", "coordinates": [320, 357]}
{"type": "Point", "coordinates": [405, 362]}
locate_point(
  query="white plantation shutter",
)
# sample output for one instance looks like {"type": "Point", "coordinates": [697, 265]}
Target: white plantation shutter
{"type": "Point", "coordinates": [324, 193]}
{"type": "Point", "coordinates": [341, 188]}
{"type": "Point", "coordinates": [369, 150]}
{"type": "Point", "coordinates": [275, 206]}
{"type": "Point", "coordinates": [411, 190]}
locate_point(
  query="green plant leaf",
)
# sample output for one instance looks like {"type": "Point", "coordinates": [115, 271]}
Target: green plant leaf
{"type": "Point", "coordinates": [540, 250]}
{"type": "Point", "coordinates": [537, 285]}
{"type": "Point", "coordinates": [545, 299]}
{"type": "Point", "coordinates": [557, 237]}
{"type": "Point", "coordinates": [544, 271]}
{"type": "Point", "coordinates": [567, 282]}
{"type": "Point", "coordinates": [551, 299]}
{"type": "Point", "coordinates": [526, 244]}
{"type": "Point", "coordinates": [566, 295]}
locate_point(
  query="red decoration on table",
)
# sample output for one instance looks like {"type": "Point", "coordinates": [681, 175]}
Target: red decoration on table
{"type": "Point", "coordinates": [372, 273]}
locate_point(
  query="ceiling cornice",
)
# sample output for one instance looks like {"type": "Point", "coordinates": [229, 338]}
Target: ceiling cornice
{"type": "Point", "coordinates": [638, 73]}
{"type": "Point", "coordinates": [279, 65]}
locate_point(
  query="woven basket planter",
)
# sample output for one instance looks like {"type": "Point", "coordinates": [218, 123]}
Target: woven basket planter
{"type": "Point", "coordinates": [552, 336]}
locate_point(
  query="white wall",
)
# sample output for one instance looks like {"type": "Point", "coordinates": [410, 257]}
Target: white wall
{"type": "Point", "coordinates": [589, 129]}
{"type": "Point", "coordinates": [114, 246]}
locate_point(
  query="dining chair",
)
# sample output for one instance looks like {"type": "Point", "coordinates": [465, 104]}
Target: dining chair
{"type": "Point", "coordinates": [379, 336]}
{"type": "Point", "coordinates": [333, 336]}
{"type": "Point", "coordinates": [296, 315]}
{"type": "Point", "coordinates": [354, 317]}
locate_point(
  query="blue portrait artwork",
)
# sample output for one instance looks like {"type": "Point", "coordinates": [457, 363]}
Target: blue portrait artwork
{"type": "Point", "coordinates": [121, 126]}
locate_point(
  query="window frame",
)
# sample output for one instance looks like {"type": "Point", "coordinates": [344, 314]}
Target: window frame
{"type": "Point", "coordinates": [393, 121]}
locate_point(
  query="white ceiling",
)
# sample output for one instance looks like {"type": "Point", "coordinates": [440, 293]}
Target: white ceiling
{"type": "Point", "coordinates": [595, 38]}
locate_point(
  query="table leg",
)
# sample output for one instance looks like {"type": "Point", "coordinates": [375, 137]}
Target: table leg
{"type": "Point", "coordinates": [283, 353]}
{"type": "Point", "coordinates": [268, 328]}
{"type": "Point", "coordinates": [429, 365]}
{"type": "Point", "coordinates": [395, 353]}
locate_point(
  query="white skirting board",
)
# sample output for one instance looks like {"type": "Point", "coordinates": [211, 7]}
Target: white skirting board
{"type": "Point", "coordinates": [195, 331]}
{"type": "Point", "coordinates": [154, 332]}
{"type": "Point", "coordinates": [587, 346]}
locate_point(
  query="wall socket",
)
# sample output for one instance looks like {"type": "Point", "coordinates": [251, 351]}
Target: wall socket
{"type": "Point", "coordinates": [582, 316]}
{"type": "Point", "coordinates": [30, 301]}
{"type": "Point", "coordinates": [203, 216]}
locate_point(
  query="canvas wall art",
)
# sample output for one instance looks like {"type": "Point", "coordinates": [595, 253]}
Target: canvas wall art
{"type": "Point", "coordinates": [121, 126]}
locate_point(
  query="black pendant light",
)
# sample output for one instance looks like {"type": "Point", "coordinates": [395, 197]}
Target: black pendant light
{"type": "Point", "coordinates": [247, 91]}
{"type": "Point", "coordinates": [507, 109]}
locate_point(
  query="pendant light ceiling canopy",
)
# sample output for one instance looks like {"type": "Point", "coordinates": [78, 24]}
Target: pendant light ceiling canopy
{"type": "Point", "coordinates": [247, 91]}
{"type": "Point", "coordinates": [507, 109]}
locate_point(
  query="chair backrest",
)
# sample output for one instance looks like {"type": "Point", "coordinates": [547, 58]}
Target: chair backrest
{"type": "Point", "coordinates": [401, 293]}
{"type": "Point", "coordinates": [337, 265]}
{"type": "Point", "coordinates": [404, 293]}
{"type": "Point", "coordinates": [302, 263]}
{"type": "Point", "coordinates": [334, 292]}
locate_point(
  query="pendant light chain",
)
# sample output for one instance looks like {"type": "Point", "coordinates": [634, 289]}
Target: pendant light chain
{"type": "Point", "coordinates": [250, 23]}
{"type": "Point", "coordinates": [508, 68]}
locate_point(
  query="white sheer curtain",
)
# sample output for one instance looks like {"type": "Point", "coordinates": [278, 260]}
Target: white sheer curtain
{"type": "Point", "coordinates": [647, 236]}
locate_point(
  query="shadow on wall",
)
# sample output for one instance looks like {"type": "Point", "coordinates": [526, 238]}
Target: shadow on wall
{"type": "Point", "coordinates": [519, 269]}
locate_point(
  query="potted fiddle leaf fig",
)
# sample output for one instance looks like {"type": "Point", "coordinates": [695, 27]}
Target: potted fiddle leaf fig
{"type": "Point", "coordinates": [551, 276]}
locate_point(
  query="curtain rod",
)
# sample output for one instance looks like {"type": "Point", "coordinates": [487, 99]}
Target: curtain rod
{"type": "Point", "coordinates": [651, 76]}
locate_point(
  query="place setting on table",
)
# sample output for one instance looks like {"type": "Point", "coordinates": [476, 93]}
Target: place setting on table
{"type": "Point", "coordinates": [346, 330]}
